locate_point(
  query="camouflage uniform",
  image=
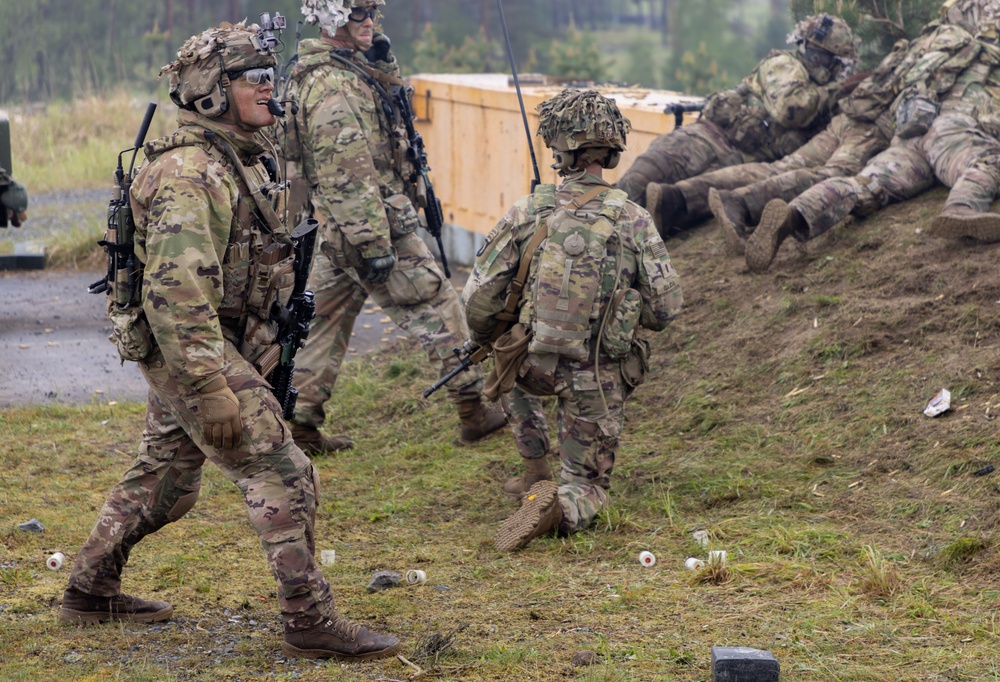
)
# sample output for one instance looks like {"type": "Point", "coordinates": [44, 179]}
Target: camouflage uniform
{"type": "Point", "coordinates": [590, 425]}
{"type": "Point", "coordinates": [771, 113]}
{"type": "Point", "coordinates": [347, 144]}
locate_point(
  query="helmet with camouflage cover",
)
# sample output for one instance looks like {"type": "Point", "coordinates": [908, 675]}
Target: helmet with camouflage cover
{"type": "Point", "coordinates": [198, 77]}
{"type": "Point", "coordinates": [575, 121]}
{"type": "Point", "coordinates": [332, 14]}
{"type": "Point", "coordinates": [831, 34]}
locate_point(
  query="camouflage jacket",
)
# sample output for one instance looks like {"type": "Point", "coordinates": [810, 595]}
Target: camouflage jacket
{"type": "Point", "coordinates": [346, 149]}
{"type": "Point", "coordinates": [195, 234]}
{"type": "Point", "coordinates": [780, 105]}
{"type": "Point", "coordinates": [646, 265]}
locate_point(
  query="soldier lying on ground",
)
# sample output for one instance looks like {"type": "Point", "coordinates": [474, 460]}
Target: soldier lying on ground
{"type": "Point", "coordinates": [788, 98]}
{"type": "Point", "coordinates": [960, 149]}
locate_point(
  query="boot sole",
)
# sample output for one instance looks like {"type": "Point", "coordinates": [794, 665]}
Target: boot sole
{"type": "Point", "coordinates": [84, 617]}
{"type": "Point", "coordinates": [735, 242]}
{"type": "Point", "coordinates": [295, 652]}
{"type": "Point", "coordinates": [762, 246]}
{"type": "Point", "coordinates": [516, 531]}
{"type": "Point", "coordinates": [983, 226]}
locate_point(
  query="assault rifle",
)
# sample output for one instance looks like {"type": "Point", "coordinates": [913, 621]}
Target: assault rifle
{"type": "Point", "coordinates": [468, 355]}
{"type": "Point", "coordinates": [293, 319]}
{"type": "Point", "coordinates": [678, 109]}
{"type": "Point", "coordinates": [426, 198]}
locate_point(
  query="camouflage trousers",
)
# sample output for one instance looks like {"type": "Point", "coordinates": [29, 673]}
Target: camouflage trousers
{"type": "Point", "coordinates": [842, 148]}
{"type": "Point", "coordinates": [278, 482]}
{"type": "Point", "coordinates": [589, 428]}
{"type": "Point", "coordinates": [680, 154]}
{"type": "Point", "coordinates": [953, 151]}
{"type": "Point", "coordinates": [417, 297]}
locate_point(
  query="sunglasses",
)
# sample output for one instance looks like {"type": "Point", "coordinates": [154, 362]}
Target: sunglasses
{"type": "Point", "coordinates": [254, 76]}
{"type": "Point", "coordinates": [359, 15]}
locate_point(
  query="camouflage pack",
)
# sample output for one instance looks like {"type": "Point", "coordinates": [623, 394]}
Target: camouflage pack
{"type": "Point", "coordinates": [579, 119]}
{"type": "Point", "coordinates": [567, 291]}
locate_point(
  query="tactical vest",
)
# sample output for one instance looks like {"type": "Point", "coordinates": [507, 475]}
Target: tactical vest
{"type": "Point", "coordinates": [567, 288]}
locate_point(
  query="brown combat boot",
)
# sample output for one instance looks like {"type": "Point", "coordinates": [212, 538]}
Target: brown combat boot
{"type": "Point", "coordinates": [341, 639]}
{"type": "Point", "coordinates": [80, 607]}
{"type": "Point", "coordinates": [535, 469]}
{"type": "Point", "coordinates": [956, 222]}
{"type": "Point", "coordinates": [478, 420]}
{"type": "Point", "coordinates": [775, 226]}
{"type": "Point", "coordinates": [733, 216]}
{"type": "Point", "coordinates": [539, 513]}
{"type": "Point", "coordinates": [667, 206]}
{"type": "Point", "coordinates": [313, 442]}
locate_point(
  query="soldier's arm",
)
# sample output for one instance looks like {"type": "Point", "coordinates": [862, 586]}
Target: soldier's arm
{"type": "Point", "coordinates": [656, 279]}
{"type": "Point", "coordinates": [347, 190]}
{"type": "Point", "coordinates": [791, 98]}
{"type": "Point", "coordinates": [496, 264]}
{"type": "Point", "coordinates": [188, 206]}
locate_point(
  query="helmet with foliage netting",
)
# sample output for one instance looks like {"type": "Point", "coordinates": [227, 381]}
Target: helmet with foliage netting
{"type": "Point", "coordinates": [332, 14]}
{"type": "Point", "coordinates": [828, 33]}
{"type": "Point", "coordinates": [582, 119]}
{"type": "Point", "coordinates": [196, 76]}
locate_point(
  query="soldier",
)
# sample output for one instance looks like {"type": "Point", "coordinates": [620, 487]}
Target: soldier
{"type": "Point", "coordinates": [202, 234]}
{"type": "Point", "coordinates": [601, 272]}
{"type": "Point", "coordinates": [13, 201]}
{"type": "Point", "coordinates": [349, 138]}
{"type": "Point", "coordinates": [786, 100]}
{"type": "Point", "coordinates": [948, 87]}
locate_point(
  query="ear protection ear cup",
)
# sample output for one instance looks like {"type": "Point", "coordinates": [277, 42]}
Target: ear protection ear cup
{"type": "Point", "coordinates": [612, 160]}
{"type": "Point", "coordinates": [213, 104]}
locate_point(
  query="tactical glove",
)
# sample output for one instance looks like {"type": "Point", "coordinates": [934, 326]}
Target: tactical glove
{"type": "Point", "coordinates": [380, 268]}
{"type": "Point", "coordinates": [379, 51]}
{"type": "Point", "coordinates": [220, 415]}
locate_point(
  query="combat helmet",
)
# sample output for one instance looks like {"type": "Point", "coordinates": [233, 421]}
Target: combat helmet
{"type": "Point", "coordinates": [575, 121]}
{"type": "Point", "coordinates": [199, 77]}
{"type": "Point", "coordinates": [830, 34]}
{"type": "Point", "coordinates": [332, 14]}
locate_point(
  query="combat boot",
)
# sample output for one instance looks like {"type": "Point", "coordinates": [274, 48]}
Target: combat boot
{"type": "Point", "coordinates": [959, 221]}
{"type": "Point", "coordinates": [733, 215]}
{"type": "Point", "coordinates": [668, 207]}
{"type": "Point", "coordinates": [313, 442]}
{"type": "Point", "coordinates": [535, 469]}
{"type": "Point", "coordinates": [478, 420]}
{"type": "Point", "coordinates": [776, 224]}
{"type": "Point", "coordinates": [80, 607]}
{"type": "Point", "coordinates": [539, 513]}
{"type": "Point", "coordinates": [340, 639]}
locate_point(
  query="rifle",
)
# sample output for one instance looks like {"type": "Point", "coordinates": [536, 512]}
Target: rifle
{"type": "Point", "coordinates": [293, 319]}
{"type": "Point", "coordinates": [122, 279]}
{"type": "Point", "coordinates": [468, 355]}
{"type": "Point", "coordinates": [426, 198]}
{"type": "Point", "coordinates": [678, 109]}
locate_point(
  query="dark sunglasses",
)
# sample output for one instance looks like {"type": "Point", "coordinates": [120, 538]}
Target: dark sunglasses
{"type": "Point", "coordinates": [359, 15]}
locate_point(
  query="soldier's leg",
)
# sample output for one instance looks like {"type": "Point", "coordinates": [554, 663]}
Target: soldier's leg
{"type": "Point", "coordinates": [158, 489]}
{"type": "Point", "coordinates": [682, 153]}
{"type": "Point", "coordinates": [339, 300]}
{"type": "Point", "coordinates": [421, 301]}
{"type": "Point", "coordinates": [695, 190]}
{"type": "Point", "coordinates": [527, 421]}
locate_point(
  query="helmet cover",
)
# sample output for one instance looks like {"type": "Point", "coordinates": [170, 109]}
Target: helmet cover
{"type": "Point", "coordinates": [828, 33]}
{"type": "Point", "coordinates": [581, 119]}
{"type": "Point", "coordinates": [332, 14]}
{"type": "Point", "coordinates": [202, 59]}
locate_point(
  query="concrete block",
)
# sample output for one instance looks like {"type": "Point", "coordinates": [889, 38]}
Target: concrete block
{"type": "Point", "coordinates": [742, 664]}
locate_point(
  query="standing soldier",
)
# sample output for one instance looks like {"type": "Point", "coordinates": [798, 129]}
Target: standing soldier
{"type": "Point", "coordinates": [596, 270]}
{"type": "Point", "coordinates": [205, 234]}
{"type": "Point", "coordinates": [350, 140]}
{"type": "Point", "coordinates": [788, 98]}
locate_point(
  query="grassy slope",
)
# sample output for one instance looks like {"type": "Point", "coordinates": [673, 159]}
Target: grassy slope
{"type": "Point", "coordinates": [783, 416]}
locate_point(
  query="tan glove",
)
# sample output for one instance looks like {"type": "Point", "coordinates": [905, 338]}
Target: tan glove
{"type": "Point", "coordinates": [220, 414]}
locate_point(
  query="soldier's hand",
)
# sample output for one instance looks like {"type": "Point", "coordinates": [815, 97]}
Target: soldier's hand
{"type": "Point", "coordinates": [380, 268]}
{"type": "Point", "coordinates": [220, 414]}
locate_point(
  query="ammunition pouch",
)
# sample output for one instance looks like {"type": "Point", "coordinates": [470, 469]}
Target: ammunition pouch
{"type": "Point", "coordinates": [272, 283]}
{"type": "Point", "coordinates": [635, 365]}
{"type": "Point", "coordinates": [914, 116]}
{"type": "Point", "coordinates": [402, 215]}
{"type": "Point", "coordinates": [413, 284]}
{"type": "Point", "coordinates": [130, 332]}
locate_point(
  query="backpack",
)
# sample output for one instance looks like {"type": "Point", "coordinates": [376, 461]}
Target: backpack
{"type": "Point", "coordinates": [567, 289]}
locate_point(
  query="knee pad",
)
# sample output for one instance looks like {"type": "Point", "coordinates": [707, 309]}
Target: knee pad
{"type": "Point", "coordinates": [182, 506]}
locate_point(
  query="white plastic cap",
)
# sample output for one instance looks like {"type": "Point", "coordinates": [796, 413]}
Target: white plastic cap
{"type": "Point", "coordinates": [717, 556]}
{"type": "Point", "coordinates": [328, 557]}
{"type": "Point", "coordinates": [647, 558]}
{"type": "Point", "coordinates": [55, 562]}
{"type": "Point", "coordinates": [416, 577]}
{"type": "Point", "coordinates": [694, 564]}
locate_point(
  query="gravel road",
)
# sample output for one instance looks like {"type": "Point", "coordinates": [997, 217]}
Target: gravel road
{"type": "Point", "coordinates": [53, 334]}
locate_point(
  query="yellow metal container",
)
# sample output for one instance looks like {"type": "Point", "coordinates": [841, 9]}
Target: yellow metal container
{"type": "Point", "coordinates": [477, 149]}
